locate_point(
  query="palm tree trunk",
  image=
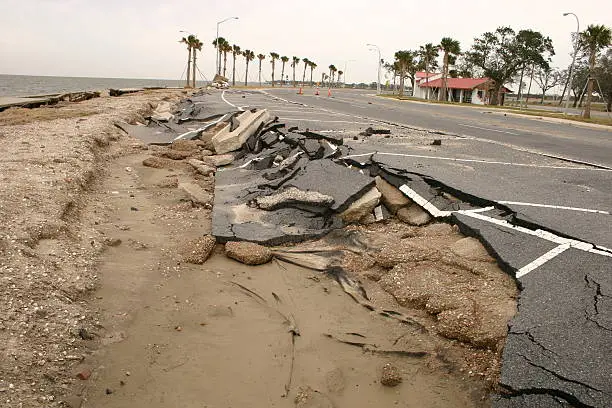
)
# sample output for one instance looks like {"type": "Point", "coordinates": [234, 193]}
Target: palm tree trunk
{"type": "Point", "coordinates": [188, 66]}
{"type": "Point", "coordinates": [260, 73]}
{"type": "Point", "coordinates": [590, 85]}
{"type": "Point", "coordinates": [282, 74]}
{"type": "Point", "coordinates": [426, 80]}
{"type": "Point", "coordinates": [272, 73]}
{"type": "Point", "coordinates": [304, 75]}
{"type": "Point", "coordinates": [294, 75]}
{"type": "Point", "coordinates": [311, 82]}
{"type": "Point", "coordinates": [193, 69]}
{"type": "Point", "coordinates": [246, 74]}
{"type": "Point", "coordinates": [234, 71]}
{"type": "Point", "coordinates": [401, 89]}
{"type": "Point", "coordinates": [520, 92]}
{"type": "Point", "coordinates": [224, 62]}
{"type": "Point", "coordinates": [220, 54]}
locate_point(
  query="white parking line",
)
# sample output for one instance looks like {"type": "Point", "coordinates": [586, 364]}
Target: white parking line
{"type": "Point", "coordinates": [536, 263]}
{"type": "Point", "coordinates": [421, 156]}
{"type": "Point", "coordinates": [490, 130]}
{"type": "Point", "coordinates": [559, 207]}
{"type": "Point", "coordinates": [229, 103]}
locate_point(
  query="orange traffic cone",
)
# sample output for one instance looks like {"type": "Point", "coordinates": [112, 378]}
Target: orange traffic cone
{"type": "Point", "coordinates": [300, 91]}
{"type": "Point", "coordinates": [329, 92]}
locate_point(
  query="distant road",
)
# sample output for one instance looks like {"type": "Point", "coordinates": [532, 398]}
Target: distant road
{"type": "Point", "coordinates": [573, 141]}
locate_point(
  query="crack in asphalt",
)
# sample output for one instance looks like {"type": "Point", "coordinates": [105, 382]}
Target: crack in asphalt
{"type": "Point", "coordinates": [533, 340]}
{"type": "Point", "coordinates": [598, 294]}
{"type": "Point", "coordinates": [561, 377]}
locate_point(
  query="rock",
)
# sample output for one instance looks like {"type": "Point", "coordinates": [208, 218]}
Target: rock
{"type": "Point", "coordinates": [186, 145]}
{"type": "Point", "coordinates": [391, 375]}
{"type": "Point", "coordinates": [197, 194]}
{"type": "Point", "coordinates": [293, 196]}
{"type": "Point", "coordinates": [228, 140]}
{"type": "Point", "coordinates": [362, 207]}
{"type": "Point", "coordinates": [84, 374]}
{"type": "Point", "coordinates": [169, 182]}
{"type": "Point", "coordinates": [206, 137]}
{"type": "Point", "coordinates": [392, 198]}
{"type": "Point", "coordinates": [218, 160]}
{"type": "Point", "coordinates": [248, 253]}
{"type": "Point", "coordinates": [201, 167]}
{"type": "Point", "coordinates": [206, 153]}
{"type": "Point", "coordinates": [436, 142]}
{"type": "Point", "coordinates": [112, 242]}
{"type": "Point", "coordinates": [306, 397]}
{"type": "Point", "coordinates": [198, 250]}
{"type": "Point", "coordinates": [158, 162]}
{"type": "Point", "coordinates": [413, 215]}
{"type": "Point", "coordinates": [470, 248]}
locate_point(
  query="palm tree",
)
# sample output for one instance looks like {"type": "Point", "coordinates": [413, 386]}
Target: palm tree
{"type": "Point", "coordinates": [404, 61]}
{"type": "Point", "coordinates": [196, 45]}
{"type": "Point", "coordinates": [248, 56]}
{"type": "Point", "coordinates": [188, 41]}
{"type": "Point", "coordinates": [339, 75]}
{"type": "Point", "coordinates": [449, 47]}
{"type": "Point", "coordinates": [284, 60]}
{"type": "Point", "coordinates": [217, 44]}
{"type": "Point", "coordinates": [294, 62]}
{"type": "Point", "coordinates": [332, 73]}
{"type": "Point", "coordinates": [260, 57]}
{"type": "Point", "coordinates": [235, 51]}
{"type": "Point", "coordinates": [428, 54]}
{"type": "Point", "coordinates": [306, 62]}
{"type": "Point", "coordinates": [312, 66]}
{"type": "Point", "coordinates": [225, 48]}
{"type": "Point", "coordinates": [592, 40]}
{"type": "Point", "coordinates": [273, 58]}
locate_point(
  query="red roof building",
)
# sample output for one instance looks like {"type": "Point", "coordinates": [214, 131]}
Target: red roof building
{"type": "Point", "coordinates": [463, 90]}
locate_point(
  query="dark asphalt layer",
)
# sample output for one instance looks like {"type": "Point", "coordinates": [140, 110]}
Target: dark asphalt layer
{"type": "Point", "coordinates": [557, 351]}
{"type": "Point", "coordinates": [568, 140]}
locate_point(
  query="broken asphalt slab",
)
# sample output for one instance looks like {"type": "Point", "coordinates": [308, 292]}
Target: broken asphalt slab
{"type": "Point", "coordinates": [559, 341]}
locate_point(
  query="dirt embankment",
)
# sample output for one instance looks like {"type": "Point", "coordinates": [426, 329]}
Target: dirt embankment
{"type": "Point", "coordinates": [49, 159]}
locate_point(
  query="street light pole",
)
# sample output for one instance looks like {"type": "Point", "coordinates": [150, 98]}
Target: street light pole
{"type": "Point", "coordinates": [217, 59]}
{"type": "Point", "coordinates": [379, 57]}
{"type": "Point", "coordinates": [345, 65]}
{"type": "Point", "coordinates": [571, 77]}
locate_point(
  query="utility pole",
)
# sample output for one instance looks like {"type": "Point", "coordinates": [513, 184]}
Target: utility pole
{"type": "Point", "coordinates": [571, 75]}
{"type": "Point", "coordinates": [378, 92]}
{"type": "Point", "coordinates": [217, 58]}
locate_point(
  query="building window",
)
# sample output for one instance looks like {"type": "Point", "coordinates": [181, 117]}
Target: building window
{"type": "Point", "coordinates": [467, 96]}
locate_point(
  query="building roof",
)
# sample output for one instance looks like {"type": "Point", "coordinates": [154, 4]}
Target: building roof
{"type": "Point", "coordinates": [455, 83]}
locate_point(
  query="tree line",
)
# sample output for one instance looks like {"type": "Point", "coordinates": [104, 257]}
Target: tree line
{"type": "Point", "coordinates": [224, 48]}
{"type": "Point", "coordinates": [505, 55]}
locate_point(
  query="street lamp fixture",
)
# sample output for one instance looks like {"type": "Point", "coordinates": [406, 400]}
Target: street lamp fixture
{"type": "Point", "coordinates": [217, 59]}
{"type": "Point", "coordinates": [571, 78]}
{"type": "Point", "coordinates": [379, 65]}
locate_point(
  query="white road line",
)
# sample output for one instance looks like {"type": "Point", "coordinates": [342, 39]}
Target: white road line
{"type": "Point", "coordinates": [297, 111]}
{"type": "Point", "coordinates": [536, 263]}
{"type": "Point", "coordinates": [559, 207]}
{"type": "Point", "coordinates": [420, 156]}
{"type": "Point", "coordinates": [327, 121]}
{"type": "Point", "coordinates": [229, 103]}
{"type": "Point", "coordinates": [429, 207]}
{"type": "Point", "coordinates": [490, 130]}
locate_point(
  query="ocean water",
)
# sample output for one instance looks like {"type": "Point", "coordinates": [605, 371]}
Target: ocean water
{"type": "Point", "coordinates": [25, 85]}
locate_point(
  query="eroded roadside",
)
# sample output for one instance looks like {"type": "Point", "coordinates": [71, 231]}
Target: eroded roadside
{"type": "Point", "coordinates": [170, 332]}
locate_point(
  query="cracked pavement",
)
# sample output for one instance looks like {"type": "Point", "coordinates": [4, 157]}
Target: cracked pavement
{"type": "Point", "coordinates": [558, 344]}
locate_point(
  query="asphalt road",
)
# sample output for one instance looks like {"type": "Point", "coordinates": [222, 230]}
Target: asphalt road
{"type": "Point", "coordinates": [547, 220]}
{"type": "Point", "coordinates": [577, 142]}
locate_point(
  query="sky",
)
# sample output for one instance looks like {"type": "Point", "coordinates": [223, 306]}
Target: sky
{"type": "Point", "coordinates": [139, 39]}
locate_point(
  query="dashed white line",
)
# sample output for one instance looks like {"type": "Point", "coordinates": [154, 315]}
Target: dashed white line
{"type": "Point", "coordinates": [536, 263]}
{"type": "Point", "coordinates": [558, 207]}
{"type": "Point", "coordinates": [490, 130]}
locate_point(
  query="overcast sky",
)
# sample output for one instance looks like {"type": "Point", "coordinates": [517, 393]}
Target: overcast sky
{"type": "Point", "coordinates": [139, 39]}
